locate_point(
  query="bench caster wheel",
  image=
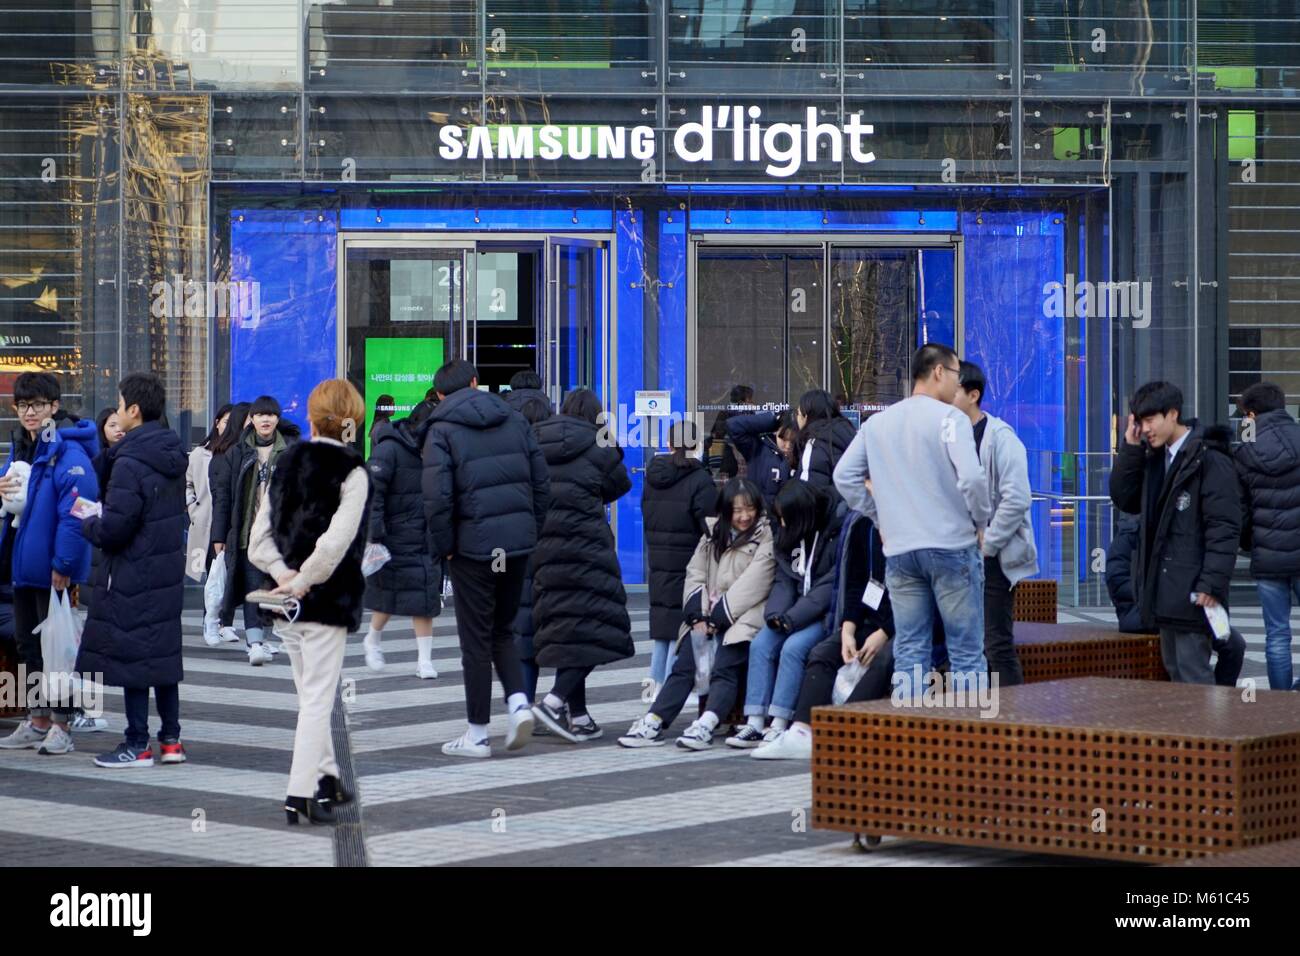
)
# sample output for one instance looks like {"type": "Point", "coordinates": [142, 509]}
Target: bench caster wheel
{"type": "Point", "coordinates": [864, 842]}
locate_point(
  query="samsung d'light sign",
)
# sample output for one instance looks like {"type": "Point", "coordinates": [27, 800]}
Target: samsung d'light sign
{"type": "Point", "coordinates": [782, 148]}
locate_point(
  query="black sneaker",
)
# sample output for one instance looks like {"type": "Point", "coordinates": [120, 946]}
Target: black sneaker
{"type": "Point", "coordinates": [555, 718]}
{"type": "Point", "coordinates": [584, 728]}
{"type": "Point", "coordinates": [746, 738]}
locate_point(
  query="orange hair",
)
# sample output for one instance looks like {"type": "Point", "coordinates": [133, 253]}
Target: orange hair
{"type": "Point", "coordinates": [332, 406]}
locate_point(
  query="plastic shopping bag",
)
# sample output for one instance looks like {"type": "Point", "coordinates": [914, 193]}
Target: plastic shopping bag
{"type": "Point", "coordinates": [703, 647]}
{"type": "Point", "coordinates": [214, 589]}
{"type": "Point", "coordinates": [845, 680]}
{"type": "Point", "coordinates": [60, 640]}
{"type": "Point", "coordinates": [375, 557]}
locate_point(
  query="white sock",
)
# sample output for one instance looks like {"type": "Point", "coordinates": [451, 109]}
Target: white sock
{"type": "Point", "coordinates": [799, 730]}
{"type": "Point", "coordinates": [478, 733]}
{"type": "Point", "coordinates": [372, 638]}
{"type": "Point", "coordinates": [709, 719]}
{"type": "Point", "coordinates": [654, 720]}
{"type": "Point", "coordinates": [424, 649]}
{"type": "Point", "coordinates": [780, 723]}
{"type": "Point", "coordinates": [516, 701]}
{"type": "Point", "coordinates": [550, 700]}
{"type": "Point", "coordinates": [756, 721]}
{"type": "Point", "coordinates": [583, 719]}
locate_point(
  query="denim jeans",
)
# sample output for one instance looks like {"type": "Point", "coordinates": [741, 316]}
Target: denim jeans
{"type": "Point", "coordinates": [776, 663]}
{"type": "Point", "coordinates": [951, 582]}
{"type": "Point", "coordinates": [1275, 601]}
{"type": "Point", "coordinates": [136, 700]}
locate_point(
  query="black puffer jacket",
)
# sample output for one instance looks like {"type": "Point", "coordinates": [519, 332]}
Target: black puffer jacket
{"type": "Point", "coordinates": [516, 397]}
{"type": "Point", "coordinates": [1119, 574]}
{"type": "Point", "coordinates": [765, 466]}
{"type": "Point", "coordinates": [828, 439]}
{"type": "Point", "coordinates": [677, 497]}
{"type": "Point", "coordinates": [579, 605]}
{"type": "Point", "coordinates": [410, 583]}
{"type": "Point", "coordinates": [230, 476]}
{"type": "Point", "coordinates": [1190, 524]}
{"type": "Point", "coordinates": [133, 633]}
{"type": "Point", "coordinates": [806, 599]}
{"type": "Point", "coordinates": [1269, 469]}
{"type": "Point", "coordinates": [485, 481]}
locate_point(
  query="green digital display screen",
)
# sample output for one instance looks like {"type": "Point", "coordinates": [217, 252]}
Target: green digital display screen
{"type": "Point", "coordinates": [401, 368]}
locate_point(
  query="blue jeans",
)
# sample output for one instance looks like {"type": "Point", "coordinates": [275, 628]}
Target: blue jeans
{"type": "Point", "coordinates": [776, 664]}
{"type": "Point", "coordinates": [951, 582]}
{"type": "Point", "coordinates": [661, 661]}
{"type": "Point", "coordinates": [1275, 601]}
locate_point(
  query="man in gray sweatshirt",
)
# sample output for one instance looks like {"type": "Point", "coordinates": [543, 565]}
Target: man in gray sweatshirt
{"type": "Point", "coordinates": [929, 498]}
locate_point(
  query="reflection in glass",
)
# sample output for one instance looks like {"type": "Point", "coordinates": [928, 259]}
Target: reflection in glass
{"type": "Point", "coordinates": [873, 321]}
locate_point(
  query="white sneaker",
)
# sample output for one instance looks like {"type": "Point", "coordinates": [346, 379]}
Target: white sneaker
{"type": "Point", "coordinates": [787, 746]}
{"type": "Point", "coordinates": [643, 733]}
{"type": "Point", "coordinates": [770, 735]}
{"type": "Point", "coordinates": [229, 635]}
{"type": "Point", "coordinates": [57, 741]}
{"type": "Point", "coordinates": [259, 654]}
{"type": "Point", "coordinates": [212, 637]}
{"type": "Point", "coordinates": [24, 737]}
{"type": "Point", "coordinates": [696, 737]}
{"type": "Point", "coordinates": [425, 670]}
{"type": "Point", "coordinates": [374, 658]}
{"type": "Point", "coordinates": [86, 724]}
{"type": "Point", "coordinates": [462, 746]}
{"type": "Point", "coordinates": [521, 728]}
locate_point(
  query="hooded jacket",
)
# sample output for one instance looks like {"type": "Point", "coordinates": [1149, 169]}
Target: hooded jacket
{"type": "Point", "coordinates": [1269, 469]}
{"type": "Point", "coordinates": [579, 606]}
{"type": "Point", "coordinates": [1189, 524]}
{"type": "Point", "coordinates": [516, 397]}
{"type": "Point", "coordinates": [49, 538]}
{"type": "Point", "coordinates": [485, 482]}
{"type": "Point", "coordinates": [827, 441]}
{"type": "Point", "coordinates": [410, 583]}
{"type": "Point", "coordinates": [676, 500]}
{"type": "Point", "coordinates": [1009, 536]}
{"type": "Point", "coordinates": [765, 466]}
{"type": "Point", "coordinates": [133, 632]}
{"type": "Point", "coordinates": [803, 588]}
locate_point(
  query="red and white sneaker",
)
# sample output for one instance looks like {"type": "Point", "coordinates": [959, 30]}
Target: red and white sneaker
{"type": "Point", "coordinates": [171, 751]}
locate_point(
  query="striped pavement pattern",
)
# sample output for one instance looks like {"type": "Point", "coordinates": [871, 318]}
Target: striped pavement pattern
{"type": "Point", "coordinates": [551, 803]}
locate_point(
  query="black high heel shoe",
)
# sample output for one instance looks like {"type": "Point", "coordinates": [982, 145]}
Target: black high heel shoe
{"type": "Point", "coordinates": [315, 812]}
{"type": "Point", "coordinates": [331, 792]}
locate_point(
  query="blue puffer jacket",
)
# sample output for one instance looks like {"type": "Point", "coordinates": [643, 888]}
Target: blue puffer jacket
{"type": "Point", "coordinates": [49, 537]}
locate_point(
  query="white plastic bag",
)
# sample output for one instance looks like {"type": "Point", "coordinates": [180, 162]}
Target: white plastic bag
{"type": "Point", "coordinates": [214, 589]}
{"type": "Point", "coordinates": [375, 557]}
{"type": "Point", "coordinates": [60, 640]}
{"type": "Point", "coordinates": [703, 647]}
{"type": "Point", "coordinates": [845, 680]}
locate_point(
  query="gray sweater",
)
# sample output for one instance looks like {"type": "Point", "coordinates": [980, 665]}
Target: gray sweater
{"type": "Point", "coordinates": [928, 487]}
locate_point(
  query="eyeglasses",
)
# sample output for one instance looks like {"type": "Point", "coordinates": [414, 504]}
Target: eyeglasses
{"type": "Point", "coordinates": [955, 371]}
{"type": "Point", "coordinates": [25, 407]}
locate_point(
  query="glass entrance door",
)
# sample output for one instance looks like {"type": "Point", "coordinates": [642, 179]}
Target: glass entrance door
{"type": "Point", "coordinates": [576, 319]}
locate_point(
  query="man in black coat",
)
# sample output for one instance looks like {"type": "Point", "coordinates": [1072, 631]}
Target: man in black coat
{"type": "Point", "coordinates": [1268, 463]}
{"type": "Point", "coordinates": [486, 491]}
{"type": "Point", "coordinates": [133, 634]}
{"type": "Point", "coordinates": [523, 386]}
{"type": "Point", "coordinates": [1180, 479]}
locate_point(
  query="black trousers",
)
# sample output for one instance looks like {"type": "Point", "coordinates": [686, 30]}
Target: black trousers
{"type": "Point", "coordinates": [136, 700]}
{"type": "Point", "coordinates": [571, 687]}
{"type": "Point", "coordinates": [31, 607]}
{"type": "Point", "coordinates": [729, 664]}
{"type": "Point", "coordinates": [999, 642]}
{"type": "Point", "coordinates": [825, 661]}
{"type": "Point", "coordinates": [486, 602]}
{"type": "Point", "coordinates": [248, 577]}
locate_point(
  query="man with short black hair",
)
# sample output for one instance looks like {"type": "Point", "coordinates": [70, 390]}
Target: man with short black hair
{"type": "Point", "coordinates": [486, 491]}
{"type": "Point", "coordinates": [524, 385]}
{"type": "Point", "coordinates": [1268, 464]}
{"type": "Point", "coordinates": [1179, 478]}
{"type": "Point", "coordinates": [1010, 554]}
{"type": "Point", "coordinates": [43, 547]}
{"type": "Point", "coordinates": [929, 498]}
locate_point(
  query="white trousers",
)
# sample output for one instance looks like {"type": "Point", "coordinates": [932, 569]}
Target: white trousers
{"type": "Point", "coordinates": [316, 654]}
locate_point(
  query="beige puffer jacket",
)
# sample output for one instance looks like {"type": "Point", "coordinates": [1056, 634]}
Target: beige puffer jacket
{"type": "Point", "coordinates": [741, 579]}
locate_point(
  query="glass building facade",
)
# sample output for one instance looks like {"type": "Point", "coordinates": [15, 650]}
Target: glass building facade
{"type": "Point", "coordinates": [248, 196]}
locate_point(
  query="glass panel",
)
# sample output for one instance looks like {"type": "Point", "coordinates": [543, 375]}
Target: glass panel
{"type": "Point", "coordinates": [360, 139]}
{"type": "Point", "coordinates": [398, 46]}
{"type": "Point", "coordinates": [404, 310]}
{"type": "Point", "coordinates": [594, 45]}
{"type": "Point", "coordinates": [927, 45]}
{"type": "Point", "coordinates": [74, 43]}
{"type": "Point", "coordinates": [781, 155]}
{"type": "Point", "coordinates": [1119, 47]}
{"type": "Point", "coordinates": [759, 45]}
{"type": "Point", "coordinates": [524, 130]}
{"type": "Point", "coordinates": [940, 142]}
{"type": "Point", "coordinates": [1248, 47]}
{"type": "Point", "coordinates": [210, 44]}
{"type": "Point", "coordinates": [873, 325]}
{"type": "Point", "coordinates": [577, 280]}
{"type": "Point", "coordinates": [508, 307]}
{"type": "Point", "coordinates": [256, 137]}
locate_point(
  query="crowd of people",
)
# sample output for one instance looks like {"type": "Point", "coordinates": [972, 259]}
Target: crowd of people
{"type": "Point", "coordinates": [829, 561]}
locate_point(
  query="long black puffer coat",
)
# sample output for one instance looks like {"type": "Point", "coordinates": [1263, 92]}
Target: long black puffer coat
{"type": "Point", "coordinates": [410, 584]}
{"type": "Point", "coordinates": [579, 605]}
{"type": "Point", "coordinates": [133, 633]}
{"type": "Point", "coordinates": [1269, 469]}
{"type": "Point", "coordinates": [827, 441]}
{"type": "Point", "coordinates": [677, 497]}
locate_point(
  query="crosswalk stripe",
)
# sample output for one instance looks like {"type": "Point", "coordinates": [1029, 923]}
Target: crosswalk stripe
{"type": "Point", "coordinates": [193, 775]}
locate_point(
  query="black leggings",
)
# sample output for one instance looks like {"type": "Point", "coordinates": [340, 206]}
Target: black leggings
{"type": "Point", "coordinates": [729, 665]}
{"type": "Point", "coordinates": [825, 661]}
{"type": "Point", "coordinates": [571, 687]}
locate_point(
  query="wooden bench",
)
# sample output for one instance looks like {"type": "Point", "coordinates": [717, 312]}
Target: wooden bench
{"type": "Point", "coordinates": [1058, 651]}
{"type": "Point", "coordinates": [1034, 600]}
{"type": "Point", "coordinates": [1094, 767]}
